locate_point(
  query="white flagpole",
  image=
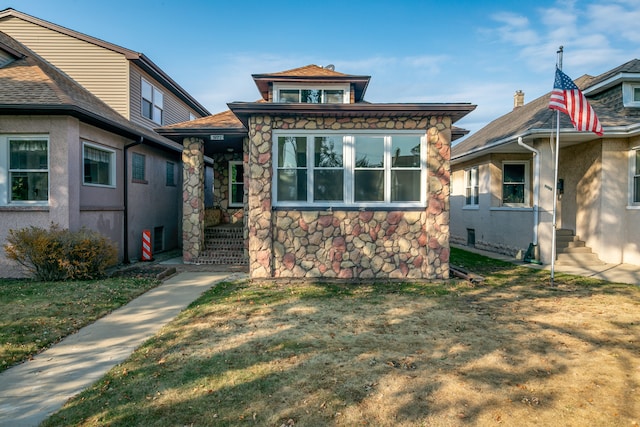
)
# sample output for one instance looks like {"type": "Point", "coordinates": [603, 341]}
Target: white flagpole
{"type": "Point", "coordinates": [555, 180]}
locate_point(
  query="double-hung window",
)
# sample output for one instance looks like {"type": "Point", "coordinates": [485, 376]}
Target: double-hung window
{"type": "Point", "coordinates": [635, 176]}
{"type": "Point", "coordinates": [99, 165]}
{"type": "Point", "coordinates": [515, 181]}
{"type": "Point", "coordinates": [24, 163]}
{"type": "Point", "coordinates": [364, 169]}
{"type": "Point", "coordinates": [236, 183]}
{"type": "Point", "coordinates": [471, 186]}
{"type": "Point", "coordinates": [152, 102]}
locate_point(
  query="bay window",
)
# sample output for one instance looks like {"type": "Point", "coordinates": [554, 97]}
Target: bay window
{"type": "Point", "coordinates": [363, 169]}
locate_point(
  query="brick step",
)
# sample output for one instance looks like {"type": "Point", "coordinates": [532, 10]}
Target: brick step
{"type": "Point", "coordinates": [222, 243]}
{"type": "Point", "coordinates": [224, 232]}
{"type": "Point", "coordinates": [222, 256]}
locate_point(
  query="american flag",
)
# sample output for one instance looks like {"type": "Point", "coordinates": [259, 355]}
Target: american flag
{"type": "Point", "coordinates": [568, 99]}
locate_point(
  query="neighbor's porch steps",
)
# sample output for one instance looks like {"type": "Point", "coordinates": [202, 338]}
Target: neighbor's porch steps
{"type": "Point", "coordinates": [224, 245]}
{"type": "Point", "coordinates": [570, 250]}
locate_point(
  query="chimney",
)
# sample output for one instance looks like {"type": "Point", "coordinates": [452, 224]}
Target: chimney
{"type": "Point", "coordinates": [518, 99]}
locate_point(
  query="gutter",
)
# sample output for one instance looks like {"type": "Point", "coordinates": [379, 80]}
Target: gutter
{"type": "Point", "coordinates": [536, 188]}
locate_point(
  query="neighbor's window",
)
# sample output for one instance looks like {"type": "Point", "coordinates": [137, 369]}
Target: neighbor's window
{"type": "Point", "coordinates": [28, 170]}
{"type": "Point", "coordinates": [514, 184]}
{"type": "Point", "coordinates": [471, 186]}
{"type": "Point", "coordinates": [236, 184]}
{"type": "Point", "coordinates": [99, 165]}
{"type": "Point", "coordinates": [635, 162]}
{"type": "Point", "coordinates": [361, 170]}
{"type": "Point", "coordinates": [138, 167]}
{"type": "Point", "coordinates": [171, 174]}
{"type": "Point", "coordinates": [152, 102]}
{"type": "Point", "coordinates": [631, 94]}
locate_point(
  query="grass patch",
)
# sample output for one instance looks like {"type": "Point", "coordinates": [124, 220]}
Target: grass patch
{"type": "Point", "coordinates": [510, 351]}
{"type": "Point", "coordinates": [34, 315]}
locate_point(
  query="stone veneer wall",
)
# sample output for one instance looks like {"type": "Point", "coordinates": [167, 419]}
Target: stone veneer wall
{"type": "Point", "coordinates": [192, 199]}
{"type": "Point", "coordinates": [344, 243]}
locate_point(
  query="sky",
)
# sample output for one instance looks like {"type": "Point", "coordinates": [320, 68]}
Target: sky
{"type": "Point", "coordinates": [480, 52]}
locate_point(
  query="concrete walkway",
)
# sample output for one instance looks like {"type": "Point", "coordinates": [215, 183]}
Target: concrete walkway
{"type": "Point", "coordinates": [617, 273]}
{"type": "Point", "coordinates": [33, 390]}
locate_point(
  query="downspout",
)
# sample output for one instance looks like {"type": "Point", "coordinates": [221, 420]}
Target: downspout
{"type": "Point", "coordinates": [125, 240]}
{"type": "Point", "coordinates": [536, 188]}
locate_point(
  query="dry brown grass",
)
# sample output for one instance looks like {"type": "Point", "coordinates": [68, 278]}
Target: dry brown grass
{"type": "Point", "coordinates": [512, 352]}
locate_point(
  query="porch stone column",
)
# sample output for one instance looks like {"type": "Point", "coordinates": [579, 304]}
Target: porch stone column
{"type": "Point", "coordinates": [438, 208]}
{"type": "Point", "coordinates": [192, 199]}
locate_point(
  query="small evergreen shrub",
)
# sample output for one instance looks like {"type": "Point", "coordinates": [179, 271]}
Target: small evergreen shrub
{"type": "Point", "coordinates": [60, 254]}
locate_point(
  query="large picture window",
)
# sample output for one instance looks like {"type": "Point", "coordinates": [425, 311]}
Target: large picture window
{"type": "Point", "coordinates": [28, 170]}
{"type": "Point", "coordinates": [515, 184]}
{"type": "Point", "coordinates": [350, 170]}
{"type": "Point", "coordinates": [99, 165]}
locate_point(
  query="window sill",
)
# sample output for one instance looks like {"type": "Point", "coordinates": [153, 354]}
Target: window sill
{"type": "Point", "coordinates": [140, 181]}
{"type": "Point", "coordinates": [633, 208]}
{"type": "Point", "coordinates": [22, 208]}
{"type": "Point", "coordinates": [512, 208]}
{"type": "Point", "coordinates": [343, 208]}
{"type": "Point", "coordinates": [471, 207]}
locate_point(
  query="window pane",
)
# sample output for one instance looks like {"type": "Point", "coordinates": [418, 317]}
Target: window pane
{"type": "Point", "coordinates": [171, 174]}
{"type": "Point", "coordinates": [513, 173]}
{"type": "Point", "coordinates": [369, 185]}
{"type": "Point", "coordinates": [237, 194]}
{"type": "Point", "coordinates": [292, 185]}
{"type": "Point", "coordinates": [289, 95]}
{"type": "Point", "coordinates": [97, 166]}
{"type": "Point", "coordinates": [328, 152]}
{"type": "Point", "coordinates": [28, 154]}
{"type": "Point", "coordinates": [137, 167]}
{"type": "Point", "coordinates": [158, 98]}
{"type": "Point", "coordinates": [29, 186]}
{"type": "Point", "coordinates": [310, 96]}
{"type": "Point", "coordinates": [405, 185]}
{"type": "Point", "coordinates": [369, 152]}
{"type": "Point", "coordinates": [334, 96]}
{"type": "Point", "coordinates": [513, 193]}
{"type": "Point", "coordinates": [292, 151]}
{"type": "Point", "coordinates": [637, 162]}
{"type": "Point", "coordinates": [147, 90]}
{"type": "Point", "coordinates": [636, 189]}
{"type": "Point", "coordinates": [147, 110]}
{"type": "Point", "coordinates": [328, 185]}
{"type": "Point", "coordinates": [636, 94]}
{"type": "Point", "coordinates": [405, 151]}
{"type": "Point", "coordinates": [157, 115]}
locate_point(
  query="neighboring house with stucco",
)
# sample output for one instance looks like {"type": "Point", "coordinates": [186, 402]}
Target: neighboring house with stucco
{"type": "Point", "coordinates": [77, 140]}
{"type": "Point", "coordinates": [502, 191]}
{"type": "Point", "coordinates": [326, 184]}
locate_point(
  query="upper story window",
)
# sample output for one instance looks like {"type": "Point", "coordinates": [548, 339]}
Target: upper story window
{"type": "Point", "coordinates": [471, 186]}
{"type": "Point", "coordinates": [635, 176]}
{"type": "Point", "coordinates": [24, 170]}
{"type": "Point", "coordinates": [99, 165]}
{"type": "Point", "coordinates": [333, 94]}
{"type": "Point", "coordinates": [138, 166]}
{"type": "Point", "coordinates": [631, 94]}
{"type": "Point", "coordinates": [350, 170]}
{"type": "Point", "coordinates": [515, 184]}
{"type": "Point", "coordinates": [152, 102]}
{"type": "Point", "coordinates": [236, 184]}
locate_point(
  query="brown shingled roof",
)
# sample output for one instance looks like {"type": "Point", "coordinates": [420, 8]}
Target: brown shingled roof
{"type": "Point", "coordinates": [223, 120]}
{"type": "Point", "coordinates": [308, 70]}
{"type": "Point", "coordinates": [30, 85]}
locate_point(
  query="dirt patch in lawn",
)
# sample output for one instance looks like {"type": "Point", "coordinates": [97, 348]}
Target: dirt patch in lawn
{"type": "Point", "coordinates": [449, 354]}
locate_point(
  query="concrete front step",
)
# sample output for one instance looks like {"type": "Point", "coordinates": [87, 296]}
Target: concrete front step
{"type": "Point", "coordinates": [570, 250]}
{"type": "Point", "coordinates": [578, 259]}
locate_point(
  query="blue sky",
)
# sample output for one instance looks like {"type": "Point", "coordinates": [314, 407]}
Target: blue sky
{"type": "Point", "coordinates": [415, 51]}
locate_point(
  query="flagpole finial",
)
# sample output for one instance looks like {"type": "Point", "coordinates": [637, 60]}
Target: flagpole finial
{"type": "Point", "coordinates": [560, 49]}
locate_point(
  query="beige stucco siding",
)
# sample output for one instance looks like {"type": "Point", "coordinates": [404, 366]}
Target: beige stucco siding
{"type": "Point", "coordinates": [101, 71]}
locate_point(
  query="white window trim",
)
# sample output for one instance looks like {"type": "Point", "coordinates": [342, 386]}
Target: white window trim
{"type": "Point", "coordinates": [527, 196]}
{"type": "Point", "coordinates": [113, 165]}
{"type": "Point", "coordinates": [475, 184]}
{"type": "Point", "coordinates": [344, 87]}
{"type": "Point", "coordinates": [153, 101]}
{"type": "Point", "coordinates": [234, 205]}
{"type": "Point", "coordinates": [632, 173]}
{"type": "Point", "coordinates": [627, 94]}
{"type": "Point", "coordinates": [349, 168]}
{"type": "Point", "coordinates": [4, 171]}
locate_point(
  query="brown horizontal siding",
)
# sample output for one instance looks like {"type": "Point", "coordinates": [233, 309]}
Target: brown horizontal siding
{"type": "Point", "coordinates": [101, 71]}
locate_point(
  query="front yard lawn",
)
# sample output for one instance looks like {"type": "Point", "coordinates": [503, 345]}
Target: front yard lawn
{"type": "Point", "coordinates": [34, 315]}
{"type": "Point", "coordinates": [509, 351]}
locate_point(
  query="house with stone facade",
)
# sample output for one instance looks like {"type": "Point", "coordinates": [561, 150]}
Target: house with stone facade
{"type": "Point", "coordinates": [322, 183]}
{"type": "Point", "coordinates": [502, 189]}
{"type": "Point", "coordinates": [77, 140]}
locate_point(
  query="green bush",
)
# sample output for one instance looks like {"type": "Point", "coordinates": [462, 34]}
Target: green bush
{"type": "Point", "coordinates": [60, 254]}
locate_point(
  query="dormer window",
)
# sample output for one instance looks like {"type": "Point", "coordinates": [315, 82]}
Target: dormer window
{"type": "Point", "coordinates": [338, 94]}
{"type": "Point", "coordinates": [631, 94]}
